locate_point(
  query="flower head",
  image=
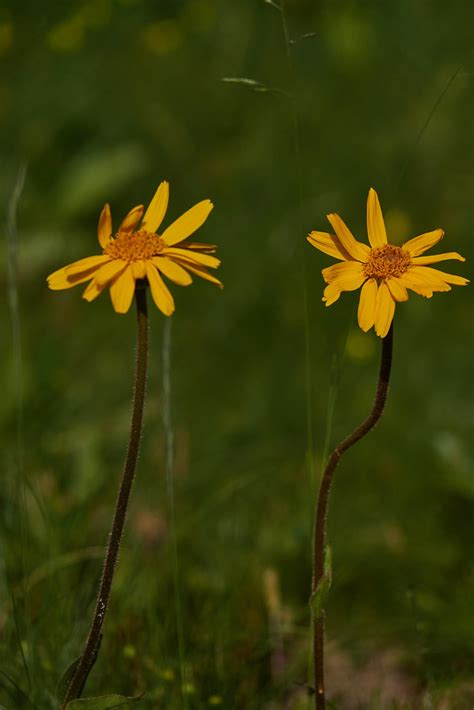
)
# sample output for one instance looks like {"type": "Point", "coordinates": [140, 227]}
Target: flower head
{"type": "Point", "coordinates": [384, 271]}
{"type": "Point", "coordinates": [136, 252]}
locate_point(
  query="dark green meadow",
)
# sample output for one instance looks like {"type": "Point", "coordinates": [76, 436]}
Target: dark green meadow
{"type": "Point", "coordinates": [103, 99]}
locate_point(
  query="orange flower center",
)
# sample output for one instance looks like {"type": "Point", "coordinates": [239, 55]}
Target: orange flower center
{"type": "Point", "coordinates": [134, 246]}
{"type": "Point", "coordinates": [387, 261]}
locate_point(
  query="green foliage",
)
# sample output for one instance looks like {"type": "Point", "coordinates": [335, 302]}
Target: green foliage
{"type": "Point", "coordinates": [105, 702]}
{"type": "Point", "coordinates": [103, 100]}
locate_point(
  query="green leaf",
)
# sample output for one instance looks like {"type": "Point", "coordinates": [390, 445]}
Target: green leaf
{"type": "Point", "coordinates": [104, 702]}
{"type": "Point", "coordinates": [65, 680]}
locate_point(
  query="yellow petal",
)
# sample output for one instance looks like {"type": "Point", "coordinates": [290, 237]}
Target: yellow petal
{"type": "Point", "coordinates": [109, 271]}
{"type": "Point", "coordinates": [367, 302]}
{"type": "Point", "coordinates": [132, 219]}
{"type": "Point", "coordinates": [436, 275]}
{"type": "Point", "coordinates": [421, 285]}
{"type": "Point", "coordinates": [92, 291]}
{"type": "Point", "coordinates": [138, 269]}
{"type": "Point", "coordinates": [173, 271]}
{"type": "Point", "coordinates": [354, 248]}
{"type": "Point", "coordinates": [87, 264]}
{"type": "Point", "coordinates": [104, 228]}
{"type": "Point", "coordinates": [188, 223]}
{"type": "Point", "coordinates": [375, 223]}
{"type": "Point", "coordinates": [192, 256]}
{"type": "Point", "coordinates": [122, 290]}
{"type": "Point", "coordinates": [346, 269]}
{"type": "Point", "coordinates": [385, 310]}
{"type": "Point", "coordinates": [331, 294]}
{"type": "Point", "coordinates": [420, 244]}
{"type": "Point", "coordinates": [347, 276]}
{"type": "Point", "coordinates": [329, 244]}
{"type": "Point", "coordinates": [157, 208]}
{"type": "Point", "coordinates": [159, 291]}
{"type": "Point", "coordinates": [397, 289]}
{"type": "Point", "coordinates": [434, 258]}
{"type": "Point", "coordinates": [59, 280]}
{"type": "Point", "coordinates": [200, 271]}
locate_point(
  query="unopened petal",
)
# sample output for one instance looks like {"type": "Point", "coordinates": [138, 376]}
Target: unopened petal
{"type": "Point", "coordinates": [435, 258]}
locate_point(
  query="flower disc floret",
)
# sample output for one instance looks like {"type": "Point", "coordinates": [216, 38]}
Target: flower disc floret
{"type": "Point", "coordinates": [135, 246]}
{"type": "Point", "coordinates": [386, 261]}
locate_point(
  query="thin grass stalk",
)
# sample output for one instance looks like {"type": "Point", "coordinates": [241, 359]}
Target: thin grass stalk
{"type": "Point", "coordinates": [321, 573]}
{"type": "Point", "coordinates": [92, 644]}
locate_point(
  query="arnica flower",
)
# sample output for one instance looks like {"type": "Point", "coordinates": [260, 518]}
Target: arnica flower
{"type": "Point", "coordinates": [136, 252]}
{"type": "Point", "coordinates": [384, 271]}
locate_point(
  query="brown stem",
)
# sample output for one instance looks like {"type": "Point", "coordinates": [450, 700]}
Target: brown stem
{"type": "Point", "coordinates": [319, 539]}
{"type": "Point", "coordinates": [91, 647]}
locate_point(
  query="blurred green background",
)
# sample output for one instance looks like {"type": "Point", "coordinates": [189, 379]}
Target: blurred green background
{"type": "Point", "coordinates": [103, 100]}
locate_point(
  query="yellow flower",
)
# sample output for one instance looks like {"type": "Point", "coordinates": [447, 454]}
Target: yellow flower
{"type": "Point", "coordinates": [137, 252]}
{"type": "Point", "coordinates": [384, 271]}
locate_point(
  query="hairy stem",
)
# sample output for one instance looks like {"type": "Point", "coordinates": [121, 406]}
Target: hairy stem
{"type": "Point", "coordinates": [319, 539]}
{"type": "Point", "coordinates": [91, 647]}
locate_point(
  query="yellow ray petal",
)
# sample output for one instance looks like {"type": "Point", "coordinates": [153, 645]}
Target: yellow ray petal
{"type": "Point", "coordinates": [367, 302]}
{"type": "Point", "coordinates": [157, 208]}
{"type": "Point", "coordinates": [172, 270]}
{"type": "Point", "coordinates": [107, 272]}
{"type": "Point", "coordinates": [420, 244]}
{"type": "Point", "coordinates": [200, 271]}
{"type": "Point", "coordinates": [92, 291]}
{"type": "Point", "coordinates": [188, 223]}
{"type": "Point", "coordinates": [436, 275]}
{"type": "Point", "coordinates": [329, 244]}
{"type": "Point", "coordinates": [104, 228]}
{"type": "Point", "coordinates": [132, 219]}
{"type": "Point", "coordinates": [375, 222]}
{"type": "Point", "coordinates": [59, 280]}
{"type": "Point", "coordinates": [397, 289]}
{"type": "Point", "coordinates": [385, 310]}
{"type": "Point", "coordinates": [122, 289]}
{"type": "Point", "coordinates": [421, 285]}
{"type": "Point", "coordinates": [195, 257]}
{"type": "Point", "coordinates": [90, 262]}
{"type": "Point", "coordinates": [159, 291]}
{"type": "Point", "coordinates": [331, 294]}
{"type": "Point", "coordinates": [138, 269]}
{"type": "Point", "coordinates": [346, 269]}
{"type": "Point", "coordinates": [435, 258]}
{"type": "Point", "coordinates": [356, 249]}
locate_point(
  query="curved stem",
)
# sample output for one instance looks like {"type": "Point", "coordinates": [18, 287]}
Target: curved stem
{"type": "Point", "coordinates": [91, 647]}
{"type": "Point", "coordinates": [319, 539]}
